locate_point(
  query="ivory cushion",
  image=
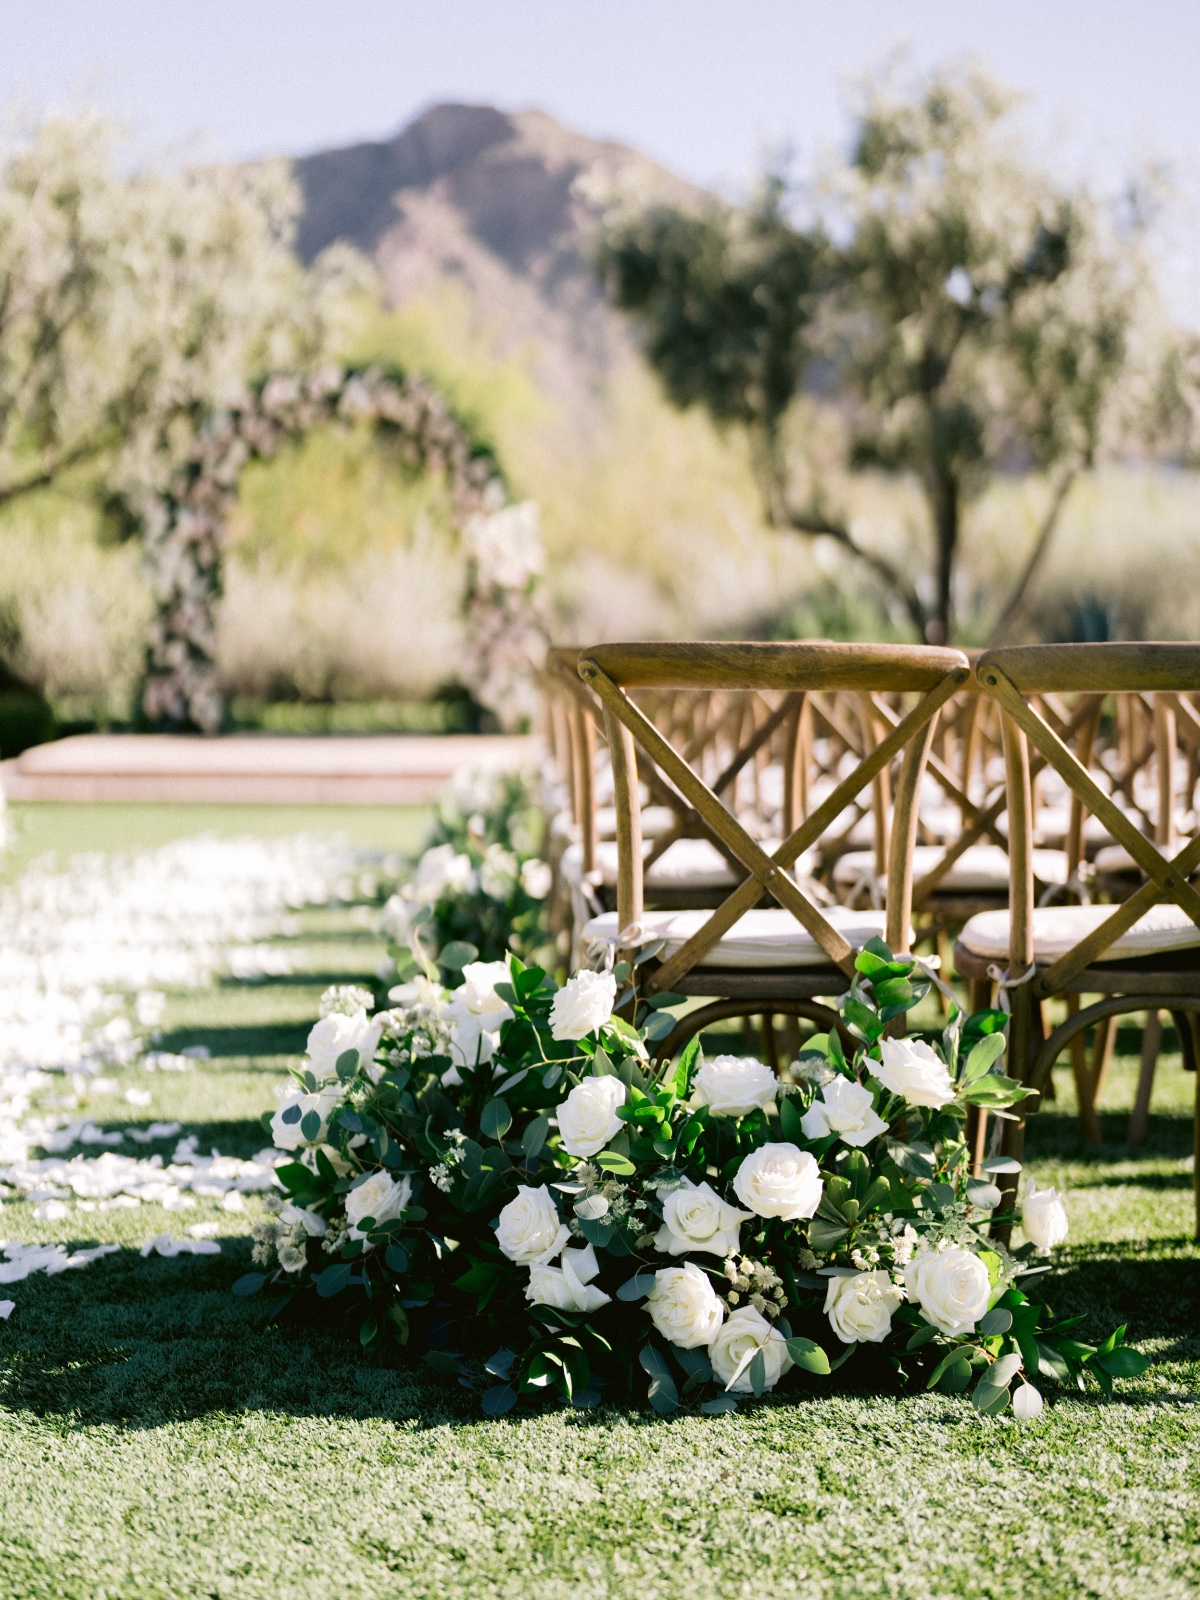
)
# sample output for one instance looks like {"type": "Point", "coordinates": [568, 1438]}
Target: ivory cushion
{"type": "Point", "coordinates": [764, 937]}
{"type": "Point", "coordinates": [684, 864]}
{"type": "Point", "coordinates": [981, 866]}
{"type": "Point", "coordinates": [1057, 929]}
{"type": "Point", "coordinates": [1115, 857]}
{"type": "Point", "coordinates": [656, 820]}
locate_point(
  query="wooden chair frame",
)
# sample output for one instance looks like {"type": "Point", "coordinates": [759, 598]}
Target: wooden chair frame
{"type": "Point", "coordinates": [1013, 677]}
{"type": "Point", "coordinates": [611, 671]}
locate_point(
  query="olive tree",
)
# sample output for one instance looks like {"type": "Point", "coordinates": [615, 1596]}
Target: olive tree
{"type": "Point", "coordinates": [962, 312]}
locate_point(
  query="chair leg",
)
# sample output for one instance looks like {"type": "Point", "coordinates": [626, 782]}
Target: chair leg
{"type": "Point", "coordinates": [770, 1051]}
{"type": "Point", "coordinates": [1049, 1092]}
{"type": "Point", "coordinates": [1196, 1156]}
{"type": "Point", "coordinates": [1139, 1119]}
{"type": "Point", "coordinates": [977, 1132]}
{"type": "Point", "coordinates": [1102, 1054]}
{"type": "Point", "coordinates": [791, 1039]}
{"type": "Point", "coordinates": [1083, 1080]}
{"type": "Point", "coordinates": [1024, 1027]}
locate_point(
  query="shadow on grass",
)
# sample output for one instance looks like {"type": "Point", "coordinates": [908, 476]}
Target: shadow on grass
{"type": "Point", "coordinates": [1056, 1135]}
{"type": "Point", "coordinates": [247, 1039]}
{"type": "Point", "coordinates": [242, 1138]}
{"type": "Point", "coordinates": [143, 1343]}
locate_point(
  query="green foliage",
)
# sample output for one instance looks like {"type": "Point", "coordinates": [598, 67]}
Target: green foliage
{"type": "Point", "coordinates": [973, 314]}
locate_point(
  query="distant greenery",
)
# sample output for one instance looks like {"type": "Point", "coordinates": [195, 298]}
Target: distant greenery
{"type": "Point", "coordinates": [958, 312]}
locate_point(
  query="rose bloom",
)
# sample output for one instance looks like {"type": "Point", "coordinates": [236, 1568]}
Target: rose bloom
{"type": "Point", "coordinates": [536, 879]}
{"type": "Point", "coordinates": [498, 873]}
{"type": "Point", "coordinates": [696, 1218]}
{"type": "Point", "coordinates": [583, 1004]}
{"type": "Point", "coordinates": [335, 1034]}
{"type": "Point", "coordinates": [684, 1306]}
{"type": "Point", "coordinates": [951, 1287]}
{"type": "Point", "coordinates": [530, 1231]}
{"type": "Point", "coordinates": [439, 869]}
{"type": "Point", "coordinates": [779, 1180]}
{"type": "Point", "coordinates": [743, 1331]}
{"type": "Point", "coordinates": [289, 1135]}
{"type": "Point", "coordinates": [476, 1012]}
{"type": "Point", "coordinates": [381, 1196]}
{"type": "Point", "coordinates": [860, 1308]}
{"type": "Point", "coordinates": [734, 1086]}
{"type": "Point", "coordinates": [847, 1109]}
{"type": "Point", "coordinates": [587, 1118]}
{"type": "Point", "coordinates": [1043, 1219]}
{"type": "Point", "coordinates": [568, 1287]}
{"type": "Point", "coordinates": [914, 1071]}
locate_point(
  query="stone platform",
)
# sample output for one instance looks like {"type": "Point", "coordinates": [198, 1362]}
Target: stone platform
{"type": "Point", "coordinates": [323, 769]}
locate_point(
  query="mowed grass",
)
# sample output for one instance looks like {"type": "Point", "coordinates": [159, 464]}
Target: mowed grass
{"type": "Point", "coordinates": [157, 1441]}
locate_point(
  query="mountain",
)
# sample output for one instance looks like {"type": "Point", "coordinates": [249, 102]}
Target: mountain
{"type": "Point", "coordinates": [506, 204]}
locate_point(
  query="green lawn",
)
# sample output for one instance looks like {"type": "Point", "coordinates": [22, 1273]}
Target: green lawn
{"type": "Point", "coordinates": [156, 1441]}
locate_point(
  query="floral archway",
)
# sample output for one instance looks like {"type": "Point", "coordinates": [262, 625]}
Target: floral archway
{"type": "Point", "coordinates": [185, 529]}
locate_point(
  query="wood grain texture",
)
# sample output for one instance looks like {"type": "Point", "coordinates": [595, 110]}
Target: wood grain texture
{"type": "Point", "coordinates": [803, 665]}
{"type": "Point", "coordinates": [1107, 668]}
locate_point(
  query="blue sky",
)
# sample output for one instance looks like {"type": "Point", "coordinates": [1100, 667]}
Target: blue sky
{"type": "Point", "coordinates": [707, 88]}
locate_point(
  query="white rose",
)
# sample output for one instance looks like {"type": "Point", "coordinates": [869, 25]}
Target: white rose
{"type": "Point", "coordinates": [951, 1287]}
{"type": "Point", "coordinates": [747, 1330]}
{"type": "Point", "coordinates": [498, 874]}
{"type": "Point", "coordinates": [696, 1218]}
{"type": "Point", "coordinates": [315, 1226]}
{"type": "Point", "coordinates": [779, 1180]}
{"type": "Point", "coordinates": [530, 1231]}
{"type": "Point", "coordinates": [568, 1287]}
{"type": "Point", "coordinates": [381, 1196]}
{"type": "Point", "coordinates": [536, 879]}
{"type": "Point", "coordinates": [915, 1071]}
{"type": "Point", "coordinates": [684, 1306]}
{"type": "Point", "coordinates": [583, 1004]}
{"type": "Point", "coordinates": [286, 1128]}
{"type": "Point", "coordinates": [439, 869]}
{"type": "Point", "coordinates": [334, 1035]}
{"type": "Point", "coordinates": [860, 1308]}
{"type": "Point", "coordinates": [1043, 1219]}
{"type": "Point", "coordinates": [847, 1109]}
{"type": "Point", "coordinates": [734, 1086]}
{"type": "Point", "coordinates": [476, 1012]}
{"type": "Point", "coordinates": [587, 1118]}
{"type": "Point", "coordinates": [396, 919]}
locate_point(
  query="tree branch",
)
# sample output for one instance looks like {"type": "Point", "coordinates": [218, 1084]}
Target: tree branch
{"type": "Point", "coordinates": [1020, 593]}
{"type": "Point", "coordinates": [813, 520]}
{"type": "Point", "coordinates": [85, 450]}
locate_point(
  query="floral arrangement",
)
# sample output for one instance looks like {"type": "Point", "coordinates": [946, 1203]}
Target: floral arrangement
{"type": "Point", "coordinates": [502, 1181]}
{"type": "Point", "coordinates": [480, 887]}
{"type": "Point", "coordinates": [184, 530]}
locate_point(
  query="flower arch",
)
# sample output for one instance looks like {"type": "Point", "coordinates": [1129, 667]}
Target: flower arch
{"type": "Point", "coordinates": [184, 531]}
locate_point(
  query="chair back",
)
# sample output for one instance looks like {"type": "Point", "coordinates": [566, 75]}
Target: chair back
{"type": "Point", "coordinates": [618, 673]}
{"type": "Point", "coordinates": [1053, 695]}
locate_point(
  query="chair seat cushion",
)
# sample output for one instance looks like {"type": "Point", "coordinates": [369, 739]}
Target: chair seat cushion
{"type": "Point", "coordinates": [1056, 929]}
{"type": "Point", "coordinates": [656, 820]}
{"type": "Point", "coordinates": [766, 937]}
{"type": "Point", "coordinates": [980, 867]}
{"type": "Point", "coordinates": [1115, 858]}
{"type": "Point", "coordinates": [684, 864]}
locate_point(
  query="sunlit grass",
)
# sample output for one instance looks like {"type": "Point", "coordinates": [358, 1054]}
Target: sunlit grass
{"type": "Point", "coordinates": [156, 1440]}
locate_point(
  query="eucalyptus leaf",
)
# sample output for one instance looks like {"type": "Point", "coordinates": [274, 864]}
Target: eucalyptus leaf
{"type": "Point", "coordinates": [496, 1119]}
{"type": "Point", "coordinates": [456, 955]}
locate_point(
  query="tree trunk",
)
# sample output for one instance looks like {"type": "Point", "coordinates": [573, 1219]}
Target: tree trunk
{"type": "Point", "coordinates": [944, 505]}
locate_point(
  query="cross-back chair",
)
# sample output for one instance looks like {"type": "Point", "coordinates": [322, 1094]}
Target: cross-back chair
{"type": "Point", "coordinates": [1138, 955]}
{"type": "Point", "coordinates": [743, 957]}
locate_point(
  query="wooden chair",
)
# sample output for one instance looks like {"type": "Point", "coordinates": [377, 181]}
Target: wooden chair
{"type": "Point", "coordinates": [748, 959]}
{"type": "Point", "coordinates": [1138, 955]}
